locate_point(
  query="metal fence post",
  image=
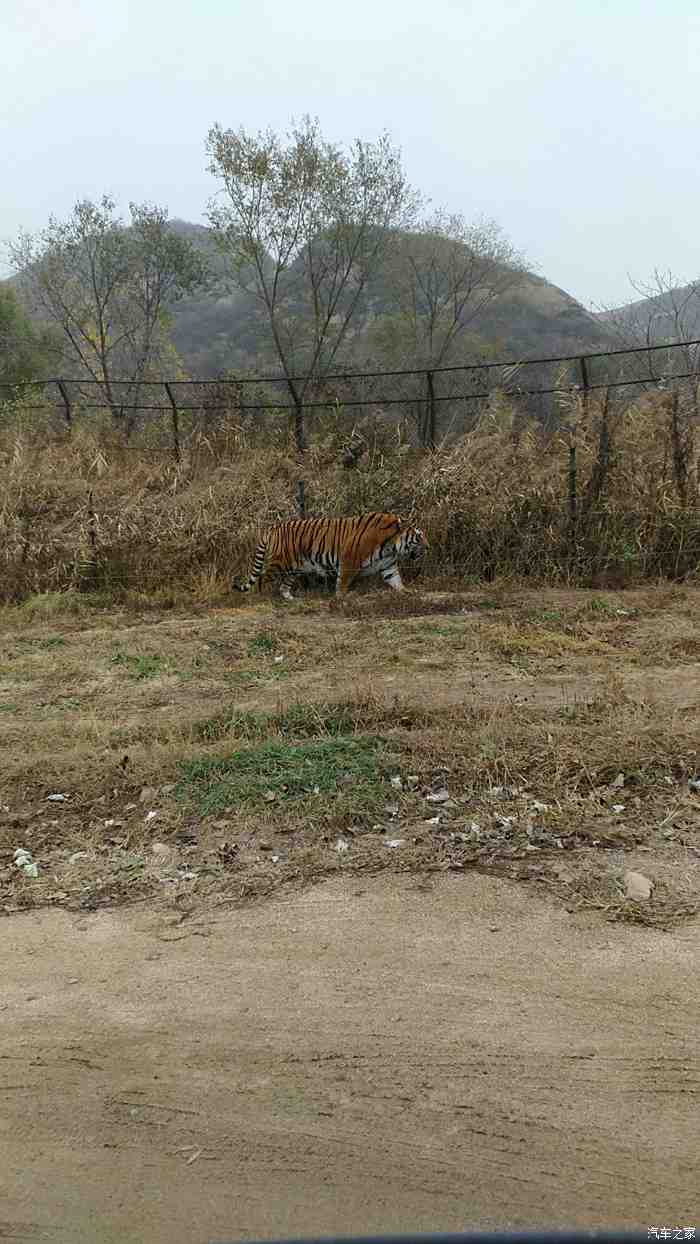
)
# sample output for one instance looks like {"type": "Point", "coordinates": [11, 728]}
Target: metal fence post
{"type": "Point", "coordinates": [584, 383]}
{"type": "Point", "coordinates": [68, 414]}
{"type": "Point", "coordinates": [573, 499]}
{"type": "Point", "coordinates": [430, 439]}
{"type": "Point", "coordinates": [175, 420]}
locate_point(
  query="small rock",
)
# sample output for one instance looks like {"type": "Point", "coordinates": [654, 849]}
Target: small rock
{"type": "Point", "coordinates": [161, 849]}
{"type": "Point", "coordinates": [637, 886]}
{"type": "Point", "coordinates": [270, 795]}
{"type": "Point", "coordinates": [396, 782]}
{"type": "Point", "coordinates": [151, 816]}
{"type": "Point", "coordinates": [31, 869]}
{"type": "Point", "coordinates": [434, 820]}
{"type": "Point", "coordinates": [275, 859]}
{"type": "Point", "coordinates": [618, 807]}
{"type": "Point", "coordinates": [694, 784]}
{"type": "Point", "coordinates": [438, 796]}
{"type": "Point", "coordinates": [148, 794]}
{"type": "Point", "coordinates": [619, 781]}
{"type": "Point", "coordinates": [413, 779]}
{"type": "Point", "coordinates": [57, 798]}
{"type": "Point", "coordinates": [341, 846]}
{"type": "Point", "coordinates": [278, 660]}
{"type": "Point", "coordinates": [395, 842]}
{"type": "Point", "coordinates": [264, 846]}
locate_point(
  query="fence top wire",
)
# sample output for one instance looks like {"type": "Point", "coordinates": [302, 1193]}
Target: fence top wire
{"type": "Point", "coordinates": [372, 375]}
{"type": "Point", "coordinates": [394, 401]}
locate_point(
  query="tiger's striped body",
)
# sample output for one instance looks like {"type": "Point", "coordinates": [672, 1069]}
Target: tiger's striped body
{"type": "Point", "coordinates": [347, 548]}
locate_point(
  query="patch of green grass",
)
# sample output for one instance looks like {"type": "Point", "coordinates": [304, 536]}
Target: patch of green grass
{"type": "Point", "coordinates": [51, 604]}
{"type": "Point", "coordinates": [52, 641]}
{"type": "Point", "coordinates": [245, 725]}
{"type": "Point", "coordinates": [289, 774]}
{"type": "Point", "coordinates": [262, 644]}
{"type": "Point", "coordinates": [544, 615]}
{"type": "Point", "coordinates": [145, 665]}
{"type": "Point", "coordinates": [9, 708]}
{"type": "Point", "coordinates": [299, 721]}
{"type": "Point", "coordinates": [598, 604]}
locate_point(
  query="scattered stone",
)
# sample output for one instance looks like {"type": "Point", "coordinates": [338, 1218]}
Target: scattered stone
{"type": "Point", "coordinates": [434, 820]}
{"type": "Point", "coordinates": [270, 795]}
{"type": "Point", "coordinates": [396, 782]}
{"type": "Point", "coordinates": [264, 846]}
{"type": "Point", "coordinates": [694, 784]}
{"type": "Point", "coordinates": [148, 794]}
{"type": "Point", "coordinates": [618, 782]}
{"type": "Point", "coordinates": [637, 886]}
{"type": "Point", "coordinates": [278, 660]}
{"type": "Point", "coordinates": [342, 845]}
{"type": "Point", "coordinates": [413, 779]}
{"type": "Point", "coordinates": [161, 850]}
{"type": "Point", "coordinates": [540, 807]}
{"type": "Point", "coordinates": [23, 861]}
{"type": "Point", "coordinates": [618, 807]}
{"type": "Point", "coordinates": [438, 796]}
{"type": "Point", "coordinates": [58, 798]}
{"type": "Point", "coordinates": [151, 816]}
{"type": "Point", "coordinates": [395, 842]}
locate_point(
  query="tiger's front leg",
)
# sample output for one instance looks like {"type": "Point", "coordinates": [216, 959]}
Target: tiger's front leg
{"type": "Point", "coordinates": [392, 578]}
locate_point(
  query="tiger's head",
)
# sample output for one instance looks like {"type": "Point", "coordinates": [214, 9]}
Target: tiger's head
{"type": "Point", "coordinates": [411, 543]}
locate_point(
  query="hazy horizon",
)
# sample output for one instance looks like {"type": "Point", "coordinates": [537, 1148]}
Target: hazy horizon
{"type": "Point", "coordinates": [573, 126]}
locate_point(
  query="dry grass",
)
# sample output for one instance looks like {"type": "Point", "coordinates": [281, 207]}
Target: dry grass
{"type": "Point", "coordinates": [261, 736]}
{"type": "Point", "coordinates": [89, 515]}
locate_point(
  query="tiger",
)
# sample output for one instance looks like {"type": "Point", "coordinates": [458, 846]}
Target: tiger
{"type": "Point", "coordinates": [344, 548]}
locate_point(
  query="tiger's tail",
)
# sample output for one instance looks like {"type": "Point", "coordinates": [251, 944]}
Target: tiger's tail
{"type": "Point", "coordinates": [257, 569]}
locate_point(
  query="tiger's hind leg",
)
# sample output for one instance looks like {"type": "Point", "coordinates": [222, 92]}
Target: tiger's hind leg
{"type": "Point", "coordinates": [346, 575]}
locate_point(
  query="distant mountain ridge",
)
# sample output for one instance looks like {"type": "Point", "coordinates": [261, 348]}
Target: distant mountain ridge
{"type": "Point", "coordinates": [220, 331]}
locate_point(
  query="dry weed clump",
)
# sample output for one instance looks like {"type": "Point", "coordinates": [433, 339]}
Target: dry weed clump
{"type": "Point", "coordinates": [611, 496]}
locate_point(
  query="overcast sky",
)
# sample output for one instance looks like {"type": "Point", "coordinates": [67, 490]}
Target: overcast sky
{"type": "Point", "coordinates": [574, 123]}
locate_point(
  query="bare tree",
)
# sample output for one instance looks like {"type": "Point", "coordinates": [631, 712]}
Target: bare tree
{"type": "Point", "coordinates": [667, 313]}
{"type": "Point", "coordinates": [442, 278]}
{"type": "Point", "coordinates": [447, 273]}
{"type": "Point", "coordinates": [108, 287]}
{"type": "Point", "coordinates": [304, 225]}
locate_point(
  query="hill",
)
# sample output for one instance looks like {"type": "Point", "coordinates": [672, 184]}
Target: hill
{"type": "Point", "coordinates": [669, 313]}
{"type": "Point", "coordinates": [221, 330]}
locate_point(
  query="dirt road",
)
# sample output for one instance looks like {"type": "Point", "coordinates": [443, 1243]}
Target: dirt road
{"type": "Point", "coordinates": [370, 1055]}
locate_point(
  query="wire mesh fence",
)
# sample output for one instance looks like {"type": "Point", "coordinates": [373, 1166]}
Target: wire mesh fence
{"type": "Point", "coordinates": [433, 405]}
